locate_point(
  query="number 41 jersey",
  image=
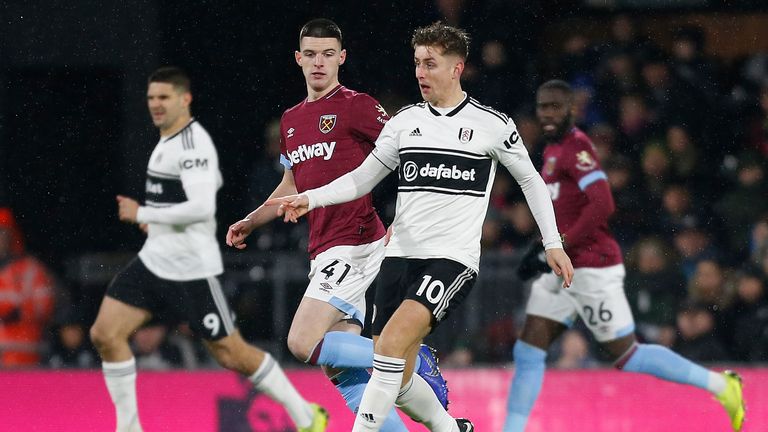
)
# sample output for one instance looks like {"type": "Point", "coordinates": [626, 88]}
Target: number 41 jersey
{"type": "Point", "coordinates": [447, 162]}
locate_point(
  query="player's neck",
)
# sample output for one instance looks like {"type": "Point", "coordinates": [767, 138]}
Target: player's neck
{"type": "Point", "coordinates": [178, 125]}
{"type": "Point", "coordinates": [313, 95]}
{"type": "Point", "coordinates": [452, 99]}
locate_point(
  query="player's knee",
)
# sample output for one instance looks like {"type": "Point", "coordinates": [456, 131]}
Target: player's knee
{"type": "Point", "coordinates": [102, 337]}
{"type": "Point", "coordinates": [391, 346]}
{"type": "Point", "coordinates": [225, 355]}
{"type": "Point", "coordinates": [300, 347]}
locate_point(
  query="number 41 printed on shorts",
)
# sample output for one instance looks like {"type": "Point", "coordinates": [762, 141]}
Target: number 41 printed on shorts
{"type": "Point", "coordinates": [330, 269]}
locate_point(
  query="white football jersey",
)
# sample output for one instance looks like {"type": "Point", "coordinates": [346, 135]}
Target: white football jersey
{"type": "Point", "coordinates": [178, 165]}
{"type": "Point", "coordinates": [447, 162]}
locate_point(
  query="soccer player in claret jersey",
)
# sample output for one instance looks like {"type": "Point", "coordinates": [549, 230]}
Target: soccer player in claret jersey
{"type": "Point", "coordinates": [176, 271]}
{"type": "Point", "coordinates": [325, 136]}
{"type": "Point", "coordinates": [583, 203]}
{"type": "Point", "coordinates": [447, 148]}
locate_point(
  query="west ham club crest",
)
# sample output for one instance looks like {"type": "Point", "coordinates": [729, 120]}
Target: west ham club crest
{"type": "Point", "coordinates": [465, 134]}
{"type": "Point", "coordinates": [327, 122]}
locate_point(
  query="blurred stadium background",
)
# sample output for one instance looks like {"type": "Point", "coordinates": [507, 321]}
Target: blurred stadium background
{"type": "Point", "coordinates": [673, 93]}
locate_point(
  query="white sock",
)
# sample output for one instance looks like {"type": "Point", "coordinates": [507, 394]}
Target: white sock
{"type": "Point", "coordinates": [716, 383]}
{"type": "Point", "coordinates": [271, 379]}
{"type": "Point", "coordinates": [380, 393]}
{"type": "Point", "coordinates": [120, 378]}
{"type": "Point", "coordinates": [420, 403]}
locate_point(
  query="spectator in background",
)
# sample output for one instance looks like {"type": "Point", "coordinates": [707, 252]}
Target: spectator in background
{"type": "Point", "coordinates": [70, 348]}
{"type": "Point", "coordinates": [746, 321]}
{"type": "Point", "coordinates": [697, 340]}
{"type": "Point", "coordinates": [685, 158]}
{"type": "Point", "coordinates": [758, 245]}
{"type": "Point", "coordinates": [654, 288]}
{"type": "Point", "coordinates": [691, 65]}
{"type": "Point", "coordinates": [493, 85]}
{"type": "Point", "coordinates": [655, 166]}
{"type": "Point", "coordinates": [26, 298]}
{"type": "Point", "coordinates": [586, 111]}
{"type": "Point", "coordinates": [574, 352]}
{"type": "Point", "coordinates": [625, 37]}
{"type": "Point", "coordinates": [708, 288]}
{"type": "Point", "coordinates": [603, 136]}
{"type": "Point", "coordinates": [670, 99]}
{"type": "Point", "coordinates": [268, 171]}
{"type": "Point", "coordinates": [156, 348]}
{"type": "Point", "coordinates": [757, 124]}
{"type": "Point", "coordinates": [530, 132]}
{"type": "Point", "coordinates": [521, 227]}
{"type": "Point", "coordinates": [635, 125]}
{"type": "Point", "coordinates": [615, 76]}
{"type": "Point", "coordinates": [629, 222]}
{"type": "Point", "coordinates": [741, 205]}
{"type": "Point", "coordinates": [693, 244]}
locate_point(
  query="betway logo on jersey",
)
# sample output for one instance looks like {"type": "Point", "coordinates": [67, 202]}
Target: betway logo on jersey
{"type": "Point", "coordinates": [411, 171]}
{"type": "Point", "coordinates": [305, 152]}
{"type": "Point", "coordinates": [444, 171]}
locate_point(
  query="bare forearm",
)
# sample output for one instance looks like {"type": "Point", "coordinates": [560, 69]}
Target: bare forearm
{"type": "Point", "coordinates": [265, 214]}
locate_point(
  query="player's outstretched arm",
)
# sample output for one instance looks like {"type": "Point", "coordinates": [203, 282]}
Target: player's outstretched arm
{"type": "Point", "coordinates": [240, 230]}
{"type": "Point", "coordinates": [560, 263]}
{"type": "Point", "coordinates": [348, 187]}
{"type": "Point", "coordinates": [290, 207]}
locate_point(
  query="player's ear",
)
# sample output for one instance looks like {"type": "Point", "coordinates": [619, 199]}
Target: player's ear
{"type": "Point", "coordinates": [458, 69]}
{"type": "Point", "coordinates": [187, 98]}
{"type": "Point", "coordinates": [342, 56]}
{"type": "Point", "coordinates": [297, 56]}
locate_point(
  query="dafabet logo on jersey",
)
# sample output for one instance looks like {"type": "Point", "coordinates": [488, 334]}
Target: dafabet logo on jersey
{"type": "Point", "coordinates": [327, 123]}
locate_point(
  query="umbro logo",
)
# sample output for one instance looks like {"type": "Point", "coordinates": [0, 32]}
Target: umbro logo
{"type": "Point", "coordinates": [290, 132]}
{"type": "Point", "coordinates": [368, 417]}
{"type": "Point", "coordinates": [415, 132]}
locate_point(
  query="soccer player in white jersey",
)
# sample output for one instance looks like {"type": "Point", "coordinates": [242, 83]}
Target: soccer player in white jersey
{"type": "Point", "coordinates": [346, 242]}
{"type": "Point", "coordinates": [447, 149]}
{"type": "Point", "coordinates": [176, 271]}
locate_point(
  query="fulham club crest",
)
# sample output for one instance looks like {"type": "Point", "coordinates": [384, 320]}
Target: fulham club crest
{"type": "Point", "coordinates": [327, 122]}
{"type": "Point", "coordinates": [465, 135]}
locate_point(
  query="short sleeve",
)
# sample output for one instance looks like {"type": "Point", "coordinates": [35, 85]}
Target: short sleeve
{"type": "Point", "coordinates": [284, 161]}
{"type": "Point", "coordinates": [387, 147]}
{"type": "Point", "coordinates": [199, 162]}
{"type": "Point", "coordinates": [581, 163]}
{"type": "Point", "coordinates": [370, 117]}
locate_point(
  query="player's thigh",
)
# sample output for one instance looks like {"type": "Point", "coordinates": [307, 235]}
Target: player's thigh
{"type": "Point", "coordinates": [407, 327]}
{"type": "Point", "coordinates": [541, 332]}
{"type": "Point", "coordinates": [128, 302]}
{"type": "Point", "coordinates": [602, 304]}
{"type": "Point", "coordinates": [117, 320]}
{"type": "Point", "coordinates": [340, 277]}
{"type": "Point", "coordinates": [313, 319]}
{"type": "Point", "coordinates": [440, 285]}
{"type": "Point", "coordinates": [202, 303]}
{"type": "Point", "coordinates": [549, 300]}
{"type": "Point", "coordinates": [391, 288]}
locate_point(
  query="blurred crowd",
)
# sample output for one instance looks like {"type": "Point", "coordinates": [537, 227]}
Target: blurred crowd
{"type": "Point", "coordinates": [682, 136]}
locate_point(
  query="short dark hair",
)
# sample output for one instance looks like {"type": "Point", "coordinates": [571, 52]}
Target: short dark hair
{"type": "Point", "coordinates": [320, 28]}
{"type": "Point", "coordinates": [172, 75]}
{"type": "Point", "coordinates": [452, 40]}
{"type": "Point", "coordinates": [557, 84]}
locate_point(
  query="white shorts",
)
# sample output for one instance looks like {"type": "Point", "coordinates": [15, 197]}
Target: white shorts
{"type": "Point", "coordinates": [341, 275]}
{"type": "Point", "coordinates": [596, 294]}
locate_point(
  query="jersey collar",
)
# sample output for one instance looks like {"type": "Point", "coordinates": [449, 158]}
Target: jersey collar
{"type": "Point", "coordinates": [191, 120]}
{"type": "Point", "coordinates": [453, 112]}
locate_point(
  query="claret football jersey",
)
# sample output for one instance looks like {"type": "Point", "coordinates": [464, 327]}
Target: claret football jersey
{"type": "Point", "coordinates": [323, 140]}
{"type": "Point", "coordinates": [570, 167]}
